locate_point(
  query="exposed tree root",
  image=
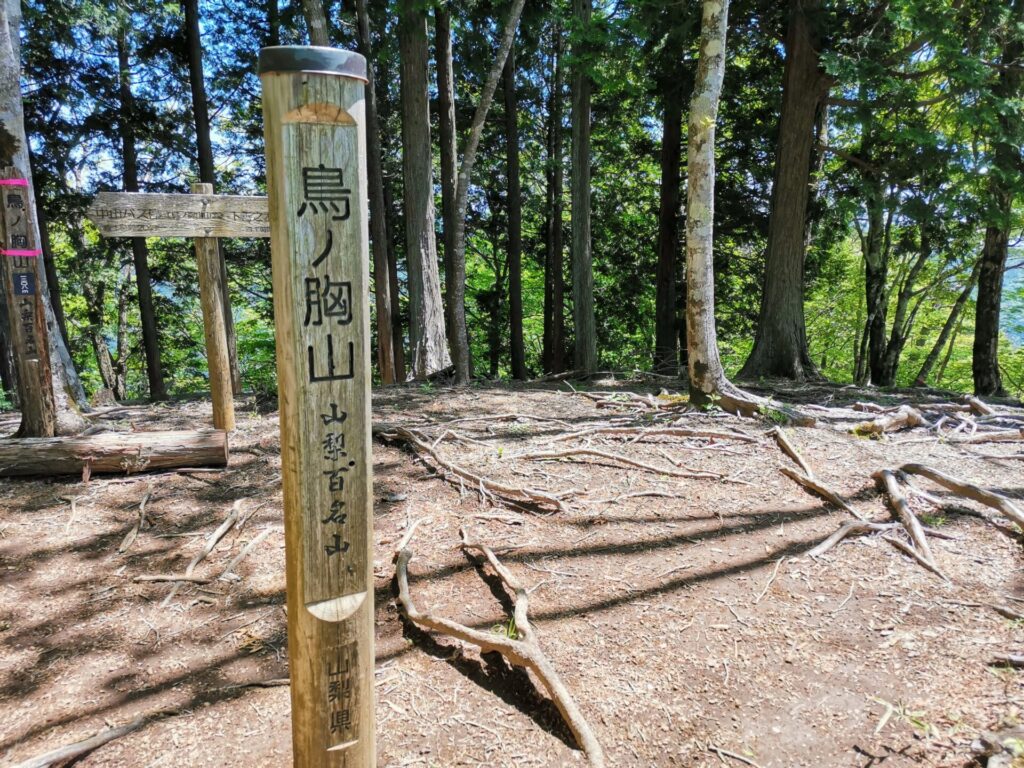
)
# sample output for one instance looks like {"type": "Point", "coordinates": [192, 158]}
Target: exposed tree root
{"type": "Point", "coordinates": [968, 491]}
{"type": "Point", "coordinates": [905, 417]}
{"type": "Point", "coordinates": [921, 551]}
{"type": "Point", "coordinates": [1009, 659]}
{"type": "Point", "coordinates": [790, 450]}
{"type": "Point", "coordinates": [551, 455]}
{"type": "Point", "coordinates": [522, 650]}
{"type": "Point", "coordinates": [130, 537]}
{"type": "Point", "coordinates": [849, 528]}
{"type": "Point", "coordinates": [807, 478]}
{"type": "Point", "coordinates": [643, 433]}
{"type": "Point", "coordinates": [487, 488]}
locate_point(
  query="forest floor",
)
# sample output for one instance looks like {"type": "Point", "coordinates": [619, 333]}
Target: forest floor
{"type": "Point", "coordinates": [681, 622]}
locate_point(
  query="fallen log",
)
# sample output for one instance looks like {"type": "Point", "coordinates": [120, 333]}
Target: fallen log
{"type": "Point", "coordinates": [113, 452]}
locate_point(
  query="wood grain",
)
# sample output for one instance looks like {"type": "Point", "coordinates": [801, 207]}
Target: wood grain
{"type": "Point", "coordinates": [316, 179]}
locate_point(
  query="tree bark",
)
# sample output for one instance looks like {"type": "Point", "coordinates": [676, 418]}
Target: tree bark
{"type": "Point", "coordinates": [1004, 181]}
{"type": "Point", "coordinates": [273, 22]}
{"type": "Point", "coordinates": [378, 214]}
{"type": "Point", "coordinates": [460, 347]}
{"type": "Point", "coordinates": [426, 321]}
{"type": "Point", "coordinates": [585, 326]}
{"type": "Point", "coordinates": [780, 345]}
{"type": "Point", "coordinates": [316, 23]}
{"type": "Point", "coordinates": [69, 396]}
{"type": "Point", "coordinates": [515, 221]}
{"type": "Point", "coordinates": [140, 253]}
{"type": "Point", "coordinates": [554, 265]}
{"type": "Point", "coordinates": [207, 173]}
{"type": "Point", "coordinates": [921, 380]}
{"type": "Point", "coordinates": [666, 324]}
{"type": "Point", "coordinates": [94, 296]}
{"type": "Point", "coordinates": [876, 274]}
{"type": "Point", "coordinates": [113, 452]}
{"type": "Point", "coordinates": [449, 156]}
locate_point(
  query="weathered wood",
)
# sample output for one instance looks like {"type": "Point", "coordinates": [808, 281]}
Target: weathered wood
{"type": "Point", "coordinates": [211, 298]}
{"type": "Point", "coordinates": [316, 180]}
{"type": "Point", "coordinates": [151, 214]}
{"type": "Point", "coordinates": [20, 270]}
{"type": "Point", "coordinates": [113, 452]}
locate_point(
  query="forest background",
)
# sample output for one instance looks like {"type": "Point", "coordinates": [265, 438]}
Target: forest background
{"type": "Point", "coordinates": [908, 116]}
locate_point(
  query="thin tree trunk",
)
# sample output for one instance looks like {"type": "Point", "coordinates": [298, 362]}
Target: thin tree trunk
{"type": "Point", "coordinates": [554, 266]}
{"type": "Point", "coordinates": [949, 352]}
{"type": "Point", "coordinates": [515, 221]}
{"type": "Point", "coordinates": [207, 173]}
{"type": "Point", "coordinates": [398, 339]}
{"type": "Point", "coordinates": [921, 380]}
{"type": "Point", "coordinates": [378, 215]}
{"type": "Point", "coordinates": [876, 271]}
{"type": "Point", "coordinates": [901, 322]}
{"type": "Point", "coordinates": [94, 299]}
{"type": "Point", "coordinates": [316, 22]}
{"type": "Point", "coordinates": [426, 321]}
{"type": "Point", "coordinates": [585, 326]}
{"type": "Point", "coordinates": [666, 324]}
{"type": "Point", "coordinates": [8, 370]}
{"type": "Point", "coordinates": [69, 396]}
{"type": "Point", "coordinates": [460, 349]}
{"type": "Point", "coordinates": [273, 23]}
{"type": "Point", "coordinates": [140, 253]}
{"type": "Point", "coordinates": [449, 156]}
{"type": "Point", "coordinates": [780, 345]}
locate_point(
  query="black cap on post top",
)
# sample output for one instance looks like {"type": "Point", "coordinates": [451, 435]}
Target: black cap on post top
{"type": "Point", "coordinates": [312, 58]}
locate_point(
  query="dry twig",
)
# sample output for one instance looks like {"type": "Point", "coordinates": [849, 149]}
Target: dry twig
{"type": "Point", "coordinates": [211, 542]}
{"type": "Point", "coordinates": [130, 537]}
{"type": "Point", "coordinates": [550, 455]}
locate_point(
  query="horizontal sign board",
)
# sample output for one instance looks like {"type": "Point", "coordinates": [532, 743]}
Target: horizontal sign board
{"type": "Point", "coordinates": [146, 214]}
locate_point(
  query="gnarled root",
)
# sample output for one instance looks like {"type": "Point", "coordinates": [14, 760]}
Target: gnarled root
{"type": "Point", "coordinates": [521, 651]}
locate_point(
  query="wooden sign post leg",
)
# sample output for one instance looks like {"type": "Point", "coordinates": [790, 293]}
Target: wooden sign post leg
{"type": "Point", "coordinates": [316, 182]}
{"type": "Point", "coordinates": [19, 272]}
{"type": "Point", "coordinates": [211, 297]}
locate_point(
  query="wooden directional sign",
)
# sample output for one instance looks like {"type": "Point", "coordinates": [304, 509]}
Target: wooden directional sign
{"type": "Point", "coordinates": [146, 214]}
{"type": "Point", "coordinates": [316, 179]}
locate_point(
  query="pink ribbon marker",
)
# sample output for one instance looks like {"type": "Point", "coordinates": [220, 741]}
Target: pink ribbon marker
{"type": "Point", "coordinates": [20, 252]}
{"type": "Point", "coordinates": [13, 182]}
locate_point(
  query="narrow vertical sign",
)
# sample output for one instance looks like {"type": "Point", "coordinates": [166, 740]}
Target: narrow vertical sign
{"type": "Point", "coordinates": [316, 183]}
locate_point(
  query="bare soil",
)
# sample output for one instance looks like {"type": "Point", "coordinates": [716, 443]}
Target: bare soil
{"type": "Point", "coordinates": [681, 622]}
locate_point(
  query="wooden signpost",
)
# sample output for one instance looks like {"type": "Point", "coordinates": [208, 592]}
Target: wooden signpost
{"type": "Point", "coordinates": [316, 180]}
{"type": "Point", "coordinates": [205, 217]}
{"type": "Point", "coordinates": [19, 271]}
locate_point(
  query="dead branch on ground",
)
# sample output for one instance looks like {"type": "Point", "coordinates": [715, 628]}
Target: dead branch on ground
{"type": "Point", "coordinates": [211, 542]}
{"type": "Point", "coordinates": [644, 433]}
{"type": "Point", "coordinates": [522, 650]}
{"type": "Point", "coordinates": [905, 417]}
{"type": "Point", "coordinates": [130, 537]}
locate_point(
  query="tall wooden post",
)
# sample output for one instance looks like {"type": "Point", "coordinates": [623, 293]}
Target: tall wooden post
{"type": "Point", "coordinates": [20, 272]}
{"type": "Point", "coordinates": [211, 297]}
{"type": "Point", "coordinates": [316, 180]}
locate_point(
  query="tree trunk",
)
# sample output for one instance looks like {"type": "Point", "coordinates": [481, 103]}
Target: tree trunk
{"type": "Point", "coordinates": [921, 380]}
{"type": "Point", "coordinates": [94, 296]}
{"type": "Point", "coordinates": [585, 327]}
{"type": "Point", "coordinates": [140, 253]}
{"type": "Point", "coordinates": [52, 278]}
{"type": "Point", "coordinates": [554, 266]}
{"type": "Point", "coordinates": [316, 23]}
{"type": "Point", "coordinates": [273, 23]}
{"type": "Point", "coordinates": [876, 272]}
{"type": "Point", "coordinates": [8, 370]}
{"type": "Point", "coordinates": [460, 347]}
{"type": "Point", "coordinates": [378, 215]}
{"type": "Point", "coordinates": [426, 320]}
{"type": "Point", "coordinates": [449, 156]}
{"type": "Point", "coordinates": [1004, 181]}
{"type": "Point", "coordinates": [69, 397]}
{"type": "Point", "coordinates": [903, 317]}
{"type": "Point", "coordinates": [515, 221]}
{"type": "Point", "coordinates": [780, 345]}
{"type": "Point", "coordinates": [207, 173]}
{"type": "Point", "coordinates": [113, 452]}
{"type": "Point", "coordinates": [398, 339]}
{"type": "Point", "coordinates": [666, 324]}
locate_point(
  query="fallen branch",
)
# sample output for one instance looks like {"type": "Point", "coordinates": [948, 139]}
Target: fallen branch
{"type": "Point", "coordinates": [903, 417]}
{"type": "Point", "coordinates": [130, 537]}
{"type": "Point", "coordinates": [241, 555]}
{"type": "Point", "coordinates": [212, 540]}
{"type": "Point", "coordinates": [485, 486]}
{"type": "Point", "coordinates": [968, 490]}
{"type": "Point", "coordinates": [551, 455]}
{"type": "Point", "coordinates": [722, 753]}
{"type": "Point", "coordinates": [85, 746]}
{"type": "Point", "coordinates": [522, 650]}
{"type": "Point", "coordinates": [182, 577]}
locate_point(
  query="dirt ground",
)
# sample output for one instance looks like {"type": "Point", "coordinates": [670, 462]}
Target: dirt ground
{"type": "Point", "coordinates": [681, 622]}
